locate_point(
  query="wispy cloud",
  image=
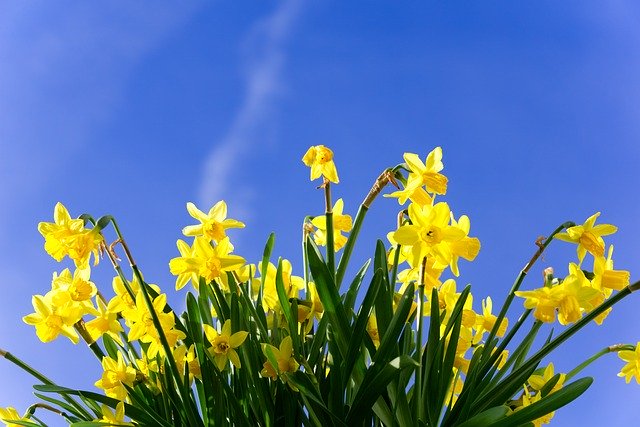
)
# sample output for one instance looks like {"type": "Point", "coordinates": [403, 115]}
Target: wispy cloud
{"type": "Point", "coordinates": [265, 58]}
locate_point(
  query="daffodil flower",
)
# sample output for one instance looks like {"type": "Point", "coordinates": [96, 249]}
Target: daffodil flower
{"type": "Point", "coordinates": [340, 223]}
{"type": "Point", "coordinates": [283, 356]}
{"type": "Point", "coordinates": [426, 174]}
{"type": "Point", "coordinates": [68, 237]}
{"type": "Point", "coordinates": [588, 236]}
{"type": "Point", "coordinates": [632, 368]}
{"type": "Point", "coordinates": [51, 321]}
{"type": "Point", "coordinates": [11, 414]}
{"type": "Point", "coordinates": [320, 159]}
{"type": "Point", "coordinates": [116, 374]}
{"type": "Point", "coordinates": [213, 225]}
{"type": "Point", "coordinates": [114, 417]}
{"type": "Point", "coordinates": [224, 344]}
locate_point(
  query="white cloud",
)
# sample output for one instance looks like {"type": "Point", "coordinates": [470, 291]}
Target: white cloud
{"type": "Point", "coordinates": [265, 56]}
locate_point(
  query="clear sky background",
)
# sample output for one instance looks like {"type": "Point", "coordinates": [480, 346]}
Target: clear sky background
{"type": "Point", "coordinates": [134, 109]}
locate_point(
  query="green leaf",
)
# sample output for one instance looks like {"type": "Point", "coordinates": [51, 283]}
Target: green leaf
{"type": "Point", "coordinates": [328, 293]}
{"type": "Point", "coordinates": [142, 415]}
{"type": "Point", "coordinates": [547, 405]}
{"type": "Point", "coordinates": [487, 418]}
{"type": "Point", "coordinates": [352, 293]}
{"type": "Point", "coordinates": [367, 395]}
{"type": "Point", "coordinates": [360, 327]}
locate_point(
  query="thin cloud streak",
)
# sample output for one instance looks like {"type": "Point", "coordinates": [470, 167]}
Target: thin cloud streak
{"type": "Point", "coordinates": [265, 60]}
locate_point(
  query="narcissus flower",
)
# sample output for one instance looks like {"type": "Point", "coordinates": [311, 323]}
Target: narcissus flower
{"type": "Point", "coordinates": [213, 225]}
{"type": "Point", "coordinates": [203, 260]}
{"type": "Point", "coordinates": [283, 356]}
{"type": "Point", "coordinates": [340, 223]}
{"type": "Point", "coordinates": [428, 173]}
{"type": "Point", "coordinates": [224, 344]}
{"type": "Point", "coordinates": [67, 236]}
{"type": "Point", "coordinates": [320, 159]}
{"type": "Point", "coordinates": [632, 368]}
{"type": "Point", "coordinates": [292, 285]}
{"type": "Point", "coordinates": [116, 374]}
{"type": "Point", "coordinates": [51, 321]}
{"type": "Point", "coordinates": [10, 414]}
{"type": "Point", "coordinates": [114, 417]}
{"type": "Point", "coordinates": [588, 236]}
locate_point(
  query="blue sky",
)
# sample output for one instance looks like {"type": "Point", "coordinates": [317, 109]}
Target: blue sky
{"type": "Point", "coordinates": [135, 109]}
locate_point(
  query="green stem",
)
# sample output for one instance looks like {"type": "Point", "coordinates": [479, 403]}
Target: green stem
{"type": "Point", "coordinates": [25, 367]}
{"type": "Point", "coordinates": [331, 253]}
{"type": "Point", "coordinates": [419, 327]}
{"type": "Point", "coordinates": [385, 177]}
{"type": "Point", "coordinates": [610, 349]}
{"type": "Point", "coordinates": [144, 288]}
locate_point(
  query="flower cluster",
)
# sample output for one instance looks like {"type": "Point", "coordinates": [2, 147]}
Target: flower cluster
{"type": "Point", "coordinates": [259, 345]}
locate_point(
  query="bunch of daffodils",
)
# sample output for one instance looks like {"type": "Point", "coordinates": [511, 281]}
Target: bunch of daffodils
{"type": "Point", "coordinates": [397, 344]}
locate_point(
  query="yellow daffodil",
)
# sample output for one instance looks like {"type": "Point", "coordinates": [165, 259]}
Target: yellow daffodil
{"type": "Point", "coordinates": [574, 295]}
{"type": "Point", "coordinates": [632, 368]}
{"type": "Point", "coordinates": [292, 285]}
{"type": "Point", "coordinates": [68, 237]}
{"type": "Point", "coordinates": [223, 344]}
{"type": "Point", "coordinates": [543, 301]}
{"type": "Point", "coordinates": [213, 225]}
{"type": "Point", "coordinates": [105, 322]}
{"type": "Point", "coordinates": [426, 174]}
{"type": "Point", "coordinates": [605, 277]}
{"type": "Point", "coordinates": [203, 260]}
{"type": "Point", "coordinates": [320, 159]}
{"type": "Point", "coordinates": [529, 399]}
{"type": "Point", "coordinates": [538, 381]}
{"type": "Point", "coordinates": [588, 236]}
{"type": "Point", "coordinates": [116, 374]}
{"type": "Point", "coordinates": [430, 233]}
{"type": "Point", "coordinates": [51, 321]}
{"type": "Point", "coordinates": [340, 223]}
{"type": "Point", "coordinates": [114, 417]}
{"type": "Point", "coordinates": [486, 321]}
{"type": "Point", "coordinates": [311, 311]}
{"type": "Point", "coordinates": [122, 300]}
{"type": "Point", "coordinates": [10, 414]}
{"type": "Point", "coordinates": [372, 330]}
{"type": "Point", "coordinates": [467, 247]}
{"type": "Point", "coordinates": [284, 358]}
{"type": "Point", "coordinates": [187, 356]}
{"type": "Point", "coordinates": [417, 195]}
{"type": "Point", "coordinates": [75, 290]}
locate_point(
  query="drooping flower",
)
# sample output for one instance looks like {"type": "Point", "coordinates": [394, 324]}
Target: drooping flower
{"type": "Point", "coordinates": [588, 236]}
{"type": "Point", "coordinates": [428, 173]}
{"type": "Point", "coordinates": [213, 225]}
{"type": "Point", "coordinates": [283, 357]}
{"type": "Point", "coordinates": [68, 237]}
{"type": "Point", "coordinates": [292, 285]}
{"type": "Point", "coordinates": [11, 414]}
{"type": "Point", "coordinates": [340, 223]}
{"type": "Point", "coordinates": [75, 290]}
{"type": "Point", "coordinates": [632, 368]}
{"type": "Point", "coordinates": [224, 344]}
{"type": "Point", "coordinates": [51, 321]}
{"type": "Point", "coordinates": [320, 159]}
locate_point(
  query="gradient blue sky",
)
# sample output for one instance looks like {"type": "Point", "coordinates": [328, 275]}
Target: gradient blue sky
{"type": "Point", "coordinates": [133, 109]}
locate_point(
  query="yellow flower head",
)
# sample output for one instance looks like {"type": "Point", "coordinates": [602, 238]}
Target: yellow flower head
{"type": "Point", "coordinates": [340, 223]}
{"type": "Point", "coordinates": [67, 236]}
{"type": "Point", "coordinates": [114, 418]}
{"type": "Point", "coordinates": [632, 368]}
{"type": "Point", "coordinates": [116, 373]}
{"type": "Point", "coordinates": [283, 356]}
{"type": "Point", "coordinates": [426, 174]}
{"type": "Point", "coordinates": [320, 159]}
{"type": "Point", "coordinates": [588, 236]}
{"type": "Point", "coordinates": [10, 414]}
{"type": "Point", "coordinates": [51, 321]}
{"type": "Point", "coordinates": [223, 344]}
{"type": "Point", "coordinates": [213, 225]}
